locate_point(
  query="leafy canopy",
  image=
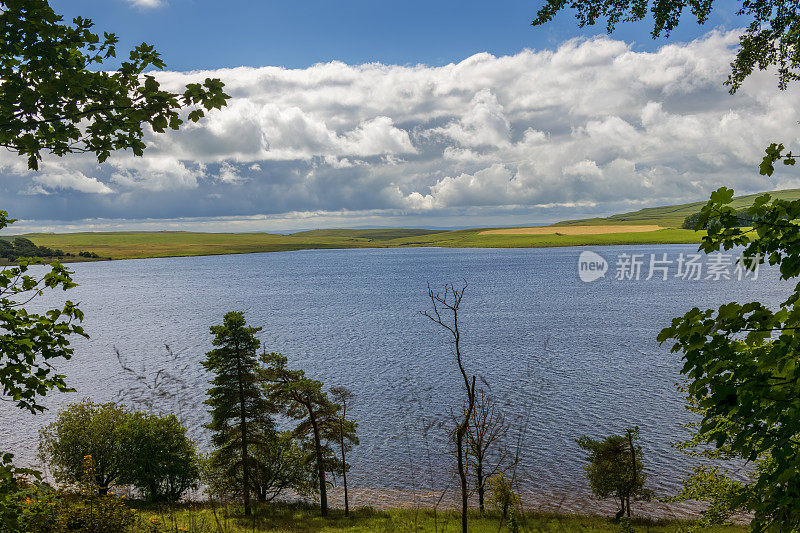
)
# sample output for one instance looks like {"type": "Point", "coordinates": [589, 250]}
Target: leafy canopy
{"type": "Point", "coordinates": [29, 342]}
{"type": "Point", "coordinates": [771, 38]}
{"type": "Point", "coordinates": [81, 429]}
{"type": "Point", "coordinates": [51, 100]}
{"type": "Point", "coordinates": [162, 462]}
{"type": "Point", "coordinates": [742, 359]}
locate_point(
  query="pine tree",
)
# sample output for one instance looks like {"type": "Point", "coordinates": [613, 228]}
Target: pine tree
{"type": "Point", "coordinates": [235, 398]}
{"type": "Point", "coordinates": [319, 424]}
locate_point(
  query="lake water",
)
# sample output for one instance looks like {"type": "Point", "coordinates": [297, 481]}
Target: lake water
{"type": "Point", "coordinates": [565, 358]}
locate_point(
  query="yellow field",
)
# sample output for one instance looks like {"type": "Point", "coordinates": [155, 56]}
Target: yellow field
{"type": "Point", "coordinates": [574, 230]}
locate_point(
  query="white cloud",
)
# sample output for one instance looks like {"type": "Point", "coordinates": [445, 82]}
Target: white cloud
{"type": "Point", "coordinates": [592, 124]}
{"type": "Point", "coordinates": [67, 179]}
{"type": "Point", "coordinates": [146, 4]}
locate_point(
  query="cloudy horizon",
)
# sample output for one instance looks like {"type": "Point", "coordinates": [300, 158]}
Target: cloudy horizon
{"type": "Point", "coordinates": [589, 128]}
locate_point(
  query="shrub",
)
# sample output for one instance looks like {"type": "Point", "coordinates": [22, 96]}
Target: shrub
{"type": "Point", "coordinates": [92, 512]}
{"type": "Point", "coordinates": [39, 510]}
{"type": "Point", "coordinates": [745, 219]}
{"type": "Point", "coordinates": [82, 429]}
{"type": "Point", "coordinates": [726, 497]}
{"type": "Point", "coordinates": [161, 460]}
{"type": "Point", "coordinates": [502, 497]}
{"type": "Point", "coordinates": [615, 468]}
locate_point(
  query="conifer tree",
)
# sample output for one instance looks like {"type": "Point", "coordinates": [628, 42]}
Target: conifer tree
{"type": "Point", "coordinates": [304, 400]}
{"type": "Point", "coordinates": [237, 404]}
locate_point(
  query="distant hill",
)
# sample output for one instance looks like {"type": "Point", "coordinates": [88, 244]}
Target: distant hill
{"type": "Point", "coordinates": [653, 225]}
{"type": "Point", "coordinates": [369, 234]}
{"type": "Point", "coordinates": [672, 216]}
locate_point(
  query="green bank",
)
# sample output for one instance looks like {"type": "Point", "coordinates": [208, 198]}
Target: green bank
{"type": "Point", "coordinates": [131, 245]}
{"type": "Point", "coordinates": [300, 517]}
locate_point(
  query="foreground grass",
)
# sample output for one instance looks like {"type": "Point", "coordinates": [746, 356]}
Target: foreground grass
{"type": "Point", "coordinates": [205, 518]}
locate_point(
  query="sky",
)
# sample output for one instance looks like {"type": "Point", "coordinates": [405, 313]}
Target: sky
{"type": "Point", "coordinates": [414, 114]}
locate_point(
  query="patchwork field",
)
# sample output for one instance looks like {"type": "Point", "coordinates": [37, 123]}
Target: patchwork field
{"type": "Point", "coordinates": [573, 230]}
{"type": "Point", "coordinates": [656, 225]}
{"type": "Point", "coordinates": [133, 245]}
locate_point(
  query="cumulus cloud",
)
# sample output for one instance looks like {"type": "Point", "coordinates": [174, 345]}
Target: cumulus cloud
{"type": "Point", "coordinates": [53, 179]}
{"type": "Point", "coordinates": [592, 125]}
{"type": "Point", "coordinates": [146, 4]}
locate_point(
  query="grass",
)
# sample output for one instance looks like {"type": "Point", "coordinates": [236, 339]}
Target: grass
{"type": "Point", "coordinates": [202, 518]}
{"type": "Point", "coordinates": [132, 245]}
{"type": "Point", "coordinates": [672, 216]}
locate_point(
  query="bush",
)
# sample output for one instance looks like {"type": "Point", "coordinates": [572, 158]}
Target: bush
{"type": "Point", "coordinates": [161, 460]}
{"type": "Point", "coordinates": [726, 497]}
{"type": "Point", "coordinates": [82, 429]}
{"type": "Point", "coordinates": [501, 494]}
{"type": "Point", "coordinates": [43, 510]}
{"type": "Point", "coordinates": [39, 510]}
{"type": "Point", "coordinates": [745, 220]}
{"type": "Point", "coordinates": [150, 452]}
{"type": "Point", "coordinates": [94, 513]}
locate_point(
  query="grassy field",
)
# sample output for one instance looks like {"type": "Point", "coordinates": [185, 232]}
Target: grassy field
{"type": "Point", "coordinates": [672, 216]}
{"type": "Point", "coordinates": [131, 245]}
{"type": "Point", "coordinates": [303, 518]}
{"type": "Point", "coordinates": [639, 227]}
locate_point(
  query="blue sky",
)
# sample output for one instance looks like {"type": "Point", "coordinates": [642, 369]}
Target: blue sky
{"type": "Point", "coordinates": [196, 34]}
{"type": "Point", "coordinates": [425, 114]}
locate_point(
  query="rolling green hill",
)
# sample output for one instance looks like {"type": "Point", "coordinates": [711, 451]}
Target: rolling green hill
{"type": "Point", "coordinates": [666, 221]}
{"type": "Point", "coordinates": [671, 216]}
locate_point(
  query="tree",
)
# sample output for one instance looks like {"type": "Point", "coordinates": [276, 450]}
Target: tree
{"type": "Point", "coordinates": [304, 400]}
{"type": "Point", "coordinates": [161, 461]}
{"type": "Point", "coordinates": [235, 398]}
{"type": "Point", "coordinates": [487, 428]}
{"type": "Point", "coordinates": [81, 429]}
{"type": "Point", "coordinates": [342, 395]}
{"type": "Point", "coordinates": [502, 493]}
{"type": "Point", "coordinates": [277, 463]}
{"type": "Point", "coordinates": [51, 101]}
{"type": "Point", "coordinates": [615, 468]}
{"type": "Point", "coordinates": [771, 38]}
{"type": "Point", "coordinates": [30, 342]}
{"type": "Point", "coordinates": [448, 303]}
{"type": "Point", "coordinates": [711, 483]}
{"type": "Point", "coordinates": [742, 359]}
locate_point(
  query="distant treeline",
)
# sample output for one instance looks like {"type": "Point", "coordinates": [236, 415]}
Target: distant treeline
{"type": "Point", "coordinates": [745, 220]}
{"type": "Point", "coordinates": [22, 247]}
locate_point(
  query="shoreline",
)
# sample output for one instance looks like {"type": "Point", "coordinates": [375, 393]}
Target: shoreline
{"type": "Point", "coordinates": [154, 245]}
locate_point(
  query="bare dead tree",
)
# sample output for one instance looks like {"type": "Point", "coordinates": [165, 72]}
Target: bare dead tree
{"type": "Point", "coordinates": [444, 312]}
{"type": "Point", "coordinates": [485, 435]}
{"type": "Point", "coordinates": [341, 395]}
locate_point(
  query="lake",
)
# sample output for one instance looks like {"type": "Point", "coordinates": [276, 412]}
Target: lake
{"type": "Point", "coordinates": [564, 357]}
